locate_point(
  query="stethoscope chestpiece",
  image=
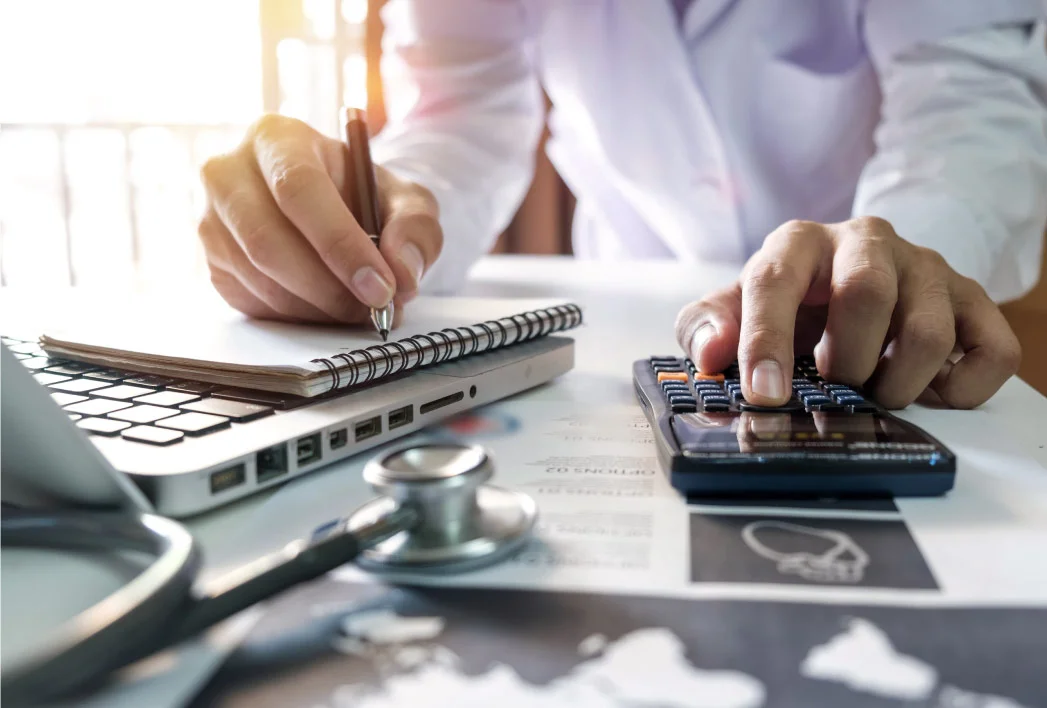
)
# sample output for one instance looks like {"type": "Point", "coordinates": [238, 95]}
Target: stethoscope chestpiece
{"type": "Point", "coordinates": [462, 523]}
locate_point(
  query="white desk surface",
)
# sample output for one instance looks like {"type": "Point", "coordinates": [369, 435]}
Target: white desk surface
{"type": "Point", "coordinates": [629, 313]}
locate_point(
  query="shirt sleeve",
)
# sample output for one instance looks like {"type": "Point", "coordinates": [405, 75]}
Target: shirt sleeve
{"type": "Point", "coordinates": [961, 152]}
{"type": "Point", "coordinates": [465, 113]}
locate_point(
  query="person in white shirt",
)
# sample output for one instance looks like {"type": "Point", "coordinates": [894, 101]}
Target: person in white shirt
{"type": "Point", "coordinates": [877, 167]}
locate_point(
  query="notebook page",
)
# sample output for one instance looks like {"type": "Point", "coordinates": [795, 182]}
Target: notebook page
{"type": "Point", "coordinates": [221, 338]}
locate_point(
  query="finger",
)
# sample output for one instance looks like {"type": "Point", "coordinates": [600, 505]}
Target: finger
{"type": "Point", "coordinates": [924, 335]}
{"type": "Point", "coordinates": [707, 330]}
{"type": "Point", "coordinates": [239, 297]}
{"type": "Point", "coordinates": [240, 198]}
{"type": "Point", "coordinates": [411, 236]}
{"type": "Point", "coordinates": [863, 294]}
{"type": "Point", "coordinates": [775, 282]}
{"type": "Point", "coordinates": [288, 154]}
{"type": "Point", "coordinates": [224, 254]}
{"type": "Point", "coordinates": [991, 352]}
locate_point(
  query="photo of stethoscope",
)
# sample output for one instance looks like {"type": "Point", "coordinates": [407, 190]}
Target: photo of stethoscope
{"type": "Point", "coordinates": [434, 513]}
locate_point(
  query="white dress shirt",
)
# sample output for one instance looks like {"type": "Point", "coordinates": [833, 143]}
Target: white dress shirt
{"type": "Point", "coordinates": [694, 137]}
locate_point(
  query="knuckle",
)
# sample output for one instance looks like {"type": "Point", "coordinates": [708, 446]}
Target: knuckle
{"type": "Point", "coordinates": [774, 276]}
{"type": "Point", "coordinates": [270, 125]}
{"type": "Point", "coordinates": [796, 231]}
{"type": "Point", "coordinates": [929, 335]}
{"type": "Point", "coordinates": [867, 284]}
{"type": "Point", "coordinates": [292, 181]}
{"type": "Point", "coordinates": [213, 171]}
{"type": "Point", "coordinates": [873, 226]}
{"type": "Point", "coordinates": [1007, 355]}
{"type": "Point", "coordinates": [932, 261]}
{"type": "Point", "coordinates": [762, 342]}
{"type": "Point", "coordinates": [261, 248]}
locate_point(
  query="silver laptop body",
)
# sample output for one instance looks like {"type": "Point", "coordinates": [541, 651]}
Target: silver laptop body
{"type": "Point", "coordinates": [48, 458]}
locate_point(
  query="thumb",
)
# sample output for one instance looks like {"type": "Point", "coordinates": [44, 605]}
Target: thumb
{"type": "Point", "coordinates": [411, 237]}
{"type": "Point", "coordinates": [708, 330]}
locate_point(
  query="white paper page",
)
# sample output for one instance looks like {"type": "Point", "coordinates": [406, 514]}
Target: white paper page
{"type": "Point", "coordinates": [223, 336]}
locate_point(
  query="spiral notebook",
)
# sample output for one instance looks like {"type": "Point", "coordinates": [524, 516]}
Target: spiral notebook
{"type": "Point", "coordinates": [218, 345]}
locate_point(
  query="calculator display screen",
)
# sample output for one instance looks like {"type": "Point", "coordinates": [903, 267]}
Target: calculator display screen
{"type": "Point", "coordinates": [786, 432]}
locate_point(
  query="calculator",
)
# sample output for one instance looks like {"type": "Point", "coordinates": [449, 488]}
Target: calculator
{"type": "Point", "coordinates": [827, 441]}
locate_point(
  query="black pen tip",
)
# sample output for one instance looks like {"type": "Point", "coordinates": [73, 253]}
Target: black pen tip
{"type": "Point", "coordinates": [385, 335]}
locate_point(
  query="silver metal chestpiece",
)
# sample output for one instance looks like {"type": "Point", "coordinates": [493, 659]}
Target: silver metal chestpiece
{"type": "Point", "coordinates": [462, 523]}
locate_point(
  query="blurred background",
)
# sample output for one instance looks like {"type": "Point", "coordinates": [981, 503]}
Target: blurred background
{"type": "Point", "coordinates": [101, 141]}
{"type": "Point", "coordinates": [100, 144]}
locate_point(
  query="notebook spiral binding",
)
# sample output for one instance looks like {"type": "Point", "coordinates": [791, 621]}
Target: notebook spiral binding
{"type": "Point", "coordinates": [391, 358]}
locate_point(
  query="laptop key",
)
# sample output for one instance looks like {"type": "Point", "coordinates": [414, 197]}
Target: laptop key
{"type": "Point", "coordinates": [236, 410]}
{"type": "Point", "coordinates": [200, 387]}
{"type": "Point", "coordinates": [71, 368]}
{"type": "Point", "coordinates": [167, 398]}
{"type": "Point", "coordinates": [123, 392]}
{"type": "Point", "coordinates": [25, 348]}
{"type": "Point", "coordinates": [152, 435]}
{"type": "Point", "coordinates": [195, 423]}
{"type": "Point", "coordinates": [47, 379]}
{"type": "Point", "coordinates": [108, 375]}
{"type": "Point", "coordinates": [79, 385]}
{"type": "Point", "coordinates": [280, 401]}
{"type": "Point", "coordinates": [144, 414]}
{"type": "Point", "coordinates": [102, 426]}
{"type": "Point", "coordinates": [97, 406]}
{"type": "Point", "coordinates": [151, 381]}
{"type": "Point", "coordinates": [39, 362]}
{"type": "Point", "coordinates": [65, 399]}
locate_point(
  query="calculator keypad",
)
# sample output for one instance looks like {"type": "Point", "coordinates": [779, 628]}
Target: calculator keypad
{"type": "Point", "coordinates": [687, 390]}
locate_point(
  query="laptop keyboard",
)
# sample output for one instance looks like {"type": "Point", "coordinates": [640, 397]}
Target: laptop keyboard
{"type": "Point", "coordinates": [152, 410]}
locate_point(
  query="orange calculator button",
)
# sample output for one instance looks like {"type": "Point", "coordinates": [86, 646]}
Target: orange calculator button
{"type": "Point", "coordinates": [708, 377]}
{"type": "Point", "coordinates": [672, 376]}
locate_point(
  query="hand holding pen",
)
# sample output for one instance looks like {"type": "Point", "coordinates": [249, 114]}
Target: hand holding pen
{"type": "Point", "coordinates": [282, 242]}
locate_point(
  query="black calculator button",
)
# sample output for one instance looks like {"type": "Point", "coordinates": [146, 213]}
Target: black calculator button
{"type": "Point", "coordinates": [715, 407]}
{"type": "Point", "coordinates": [678, 388]}
{"type": "Point", "coordinates": [684, 407]}
{"type": "Point", "coordinates": [810, 401]}
{"type": "Point", "coordinates": [826, 407]}
{"type": "Point", "coordinates": [849, 400]}
{"type": "Point", "coordinates": [836, 387]}
{"type": "Point", "coordinates": [672, 359]}
{"type": "Point", "coordinates": [673, 400]}
{"type": "Point", "coordinates": [659, 368]}
{"type": "Point", "coordinates": [715, 401]}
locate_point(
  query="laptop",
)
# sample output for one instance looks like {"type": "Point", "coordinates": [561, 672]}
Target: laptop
{"type": "Point", "coordinates": [49, 460]}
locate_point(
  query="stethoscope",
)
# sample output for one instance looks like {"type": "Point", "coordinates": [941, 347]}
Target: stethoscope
{"type": "Point", "coordinates": [434, 514]}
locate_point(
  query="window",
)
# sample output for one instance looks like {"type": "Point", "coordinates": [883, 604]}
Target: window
{"type": "Point", "coordinates": [108, 107]}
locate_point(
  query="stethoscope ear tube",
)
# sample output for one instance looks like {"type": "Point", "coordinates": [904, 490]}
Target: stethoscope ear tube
{"type": "Point", "coordinates": [105, 636]}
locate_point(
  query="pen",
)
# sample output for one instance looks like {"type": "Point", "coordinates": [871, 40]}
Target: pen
{"type": "Point", "coordinates": [363, 194]}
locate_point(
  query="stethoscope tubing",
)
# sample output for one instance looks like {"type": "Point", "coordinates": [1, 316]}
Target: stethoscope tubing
{"type": "Point", "coordinates": [159, 607]}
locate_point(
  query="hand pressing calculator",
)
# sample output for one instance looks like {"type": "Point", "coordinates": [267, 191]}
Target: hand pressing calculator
{"type": "Point", "coordinates": [828, 440]}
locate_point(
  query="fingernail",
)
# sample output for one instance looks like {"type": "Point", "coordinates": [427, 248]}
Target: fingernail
{"type": "Point", "coordinates": [767, 380]}
{"type": "Point", "coordinates": [412, 259]}
{"type": "Point", "coordinates": [699, 339]}
{"type": "Point", "coordinates": [371, 288]}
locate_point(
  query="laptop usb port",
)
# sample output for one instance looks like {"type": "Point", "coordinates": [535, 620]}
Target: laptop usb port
{"type": "Point", "coordinates": [339, 438]}
{"type": "Point", "coordinates": [401, 417]}
{"type": "Point", "coordinates": [368, 428]}
{"type": "Point", "coordinates": [309, 449]}
{"type": "Point", "coordinates": [271, 463]}
{"type": "Point", "coordinates": [228, 478]}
